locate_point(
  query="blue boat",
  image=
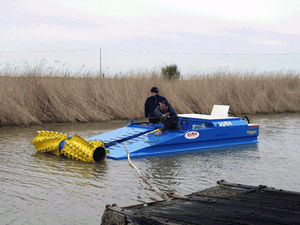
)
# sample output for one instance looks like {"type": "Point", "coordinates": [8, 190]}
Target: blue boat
{"type": "Point", "coordinates": [198, 131]}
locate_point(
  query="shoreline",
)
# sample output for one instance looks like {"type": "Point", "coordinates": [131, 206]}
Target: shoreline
{"type": "Point", "coordinates": [127, 121]}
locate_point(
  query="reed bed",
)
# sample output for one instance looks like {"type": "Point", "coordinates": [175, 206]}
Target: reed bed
{"type": "Point", "coordinates": [31, 98]}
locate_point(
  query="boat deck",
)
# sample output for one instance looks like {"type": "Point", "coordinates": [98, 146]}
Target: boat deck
{"type": "Point", "coordinates": [226, 203]}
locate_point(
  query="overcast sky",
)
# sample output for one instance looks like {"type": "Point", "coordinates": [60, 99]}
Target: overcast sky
{"type": "Point", "coordinates": [214, 26]}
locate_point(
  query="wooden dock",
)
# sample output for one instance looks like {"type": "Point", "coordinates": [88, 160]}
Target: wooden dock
{"type": "Point", "coordinates": [227, 203]}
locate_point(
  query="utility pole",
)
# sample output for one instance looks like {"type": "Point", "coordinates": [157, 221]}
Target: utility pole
{"type": "Point", "coordinates": [100, 63]}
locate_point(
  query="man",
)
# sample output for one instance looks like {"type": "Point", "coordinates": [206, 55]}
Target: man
{"type": "Point", "coordinates": [151, 103]}
{"type": "Point", "coordinates": [168, 117]}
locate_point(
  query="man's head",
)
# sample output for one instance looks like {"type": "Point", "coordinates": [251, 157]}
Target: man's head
{"type": "Point", "coordinates": [154, 91]}
{"type": "Point", "coordinates": [164, 105]}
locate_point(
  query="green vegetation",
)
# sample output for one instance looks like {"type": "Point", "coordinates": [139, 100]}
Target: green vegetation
{"type": "Point", "coordinates": [170, 72]}
{"type": "Point", "coordinates": [33, 99]}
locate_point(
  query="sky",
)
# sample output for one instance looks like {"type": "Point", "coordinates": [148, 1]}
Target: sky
{"type": "Point", "coordinates": [195, 34]}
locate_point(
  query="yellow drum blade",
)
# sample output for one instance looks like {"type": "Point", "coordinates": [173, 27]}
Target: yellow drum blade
{"type": "Point", "coordinates": [74, 148]}
{"type": "Point", "coordinates": [80, 149]}
{"type": "Point", "coordinates": [48, 141]}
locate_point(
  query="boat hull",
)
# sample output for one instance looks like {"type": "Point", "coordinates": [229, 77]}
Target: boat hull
{"type": "Point", "coordinates": [195, 134]}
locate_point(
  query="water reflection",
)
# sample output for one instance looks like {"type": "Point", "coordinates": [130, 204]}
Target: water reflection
{"type": "Point", "coordinates": [55, 165]}
{"type": "Point", "coordinates": [163, 171]}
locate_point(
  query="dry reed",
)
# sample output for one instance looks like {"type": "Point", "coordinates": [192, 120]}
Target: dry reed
{"type": "Point", "coordinates": [33, 99]}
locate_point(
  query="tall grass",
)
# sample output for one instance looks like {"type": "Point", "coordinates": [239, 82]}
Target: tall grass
{"type": "Point", "coordinates": [32, 99]}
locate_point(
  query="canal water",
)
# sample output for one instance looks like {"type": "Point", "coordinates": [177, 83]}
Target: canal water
{"type": "Point", "coordinates": [38, 188]}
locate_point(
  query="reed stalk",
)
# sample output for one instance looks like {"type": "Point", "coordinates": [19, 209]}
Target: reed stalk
{"type": "Point", "coordinates": [32, 98]}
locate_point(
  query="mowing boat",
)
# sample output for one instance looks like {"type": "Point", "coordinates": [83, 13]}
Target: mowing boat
{"type": "Point", "coordinates": [198, 131]}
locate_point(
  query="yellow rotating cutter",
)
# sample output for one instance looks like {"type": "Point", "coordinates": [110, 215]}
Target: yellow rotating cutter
{"type": "Point", "coordinates": [72, 147]}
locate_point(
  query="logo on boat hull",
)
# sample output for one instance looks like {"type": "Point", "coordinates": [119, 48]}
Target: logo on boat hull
{"type": "Point", "coordinates": [191, 135]}
{"type": "Point", "coordinates": [225, 124]}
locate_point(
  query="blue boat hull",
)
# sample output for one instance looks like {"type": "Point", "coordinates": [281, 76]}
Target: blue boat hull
{"type": "Point", "coordinates": [196, 134]}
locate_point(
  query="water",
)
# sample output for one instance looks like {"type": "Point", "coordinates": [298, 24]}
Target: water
{"type": "Point", "coordinates": [38, 188]}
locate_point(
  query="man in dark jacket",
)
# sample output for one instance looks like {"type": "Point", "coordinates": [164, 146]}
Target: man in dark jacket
{"type": "Point", "coordinates": [151, 103]}
{"type": "Point", "coordinates": [168, 117]}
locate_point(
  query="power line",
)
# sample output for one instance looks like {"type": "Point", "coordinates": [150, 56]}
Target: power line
{"type": "Point", "coordinates": [147, 52]}
{"type": "Point", "coordinates": [57, 50]}
{"type": "Point", "coordinates": [195, 53]}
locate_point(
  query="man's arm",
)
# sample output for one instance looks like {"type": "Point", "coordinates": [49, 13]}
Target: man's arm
{"type": "Point", "coordinates": [166, 125]}
{"type": "Point", "coordinates": [146, 109]}
{"type": "Point", "coordinates": [157, 112]}
{"type": "Point", "coordinates": [171, 118]}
